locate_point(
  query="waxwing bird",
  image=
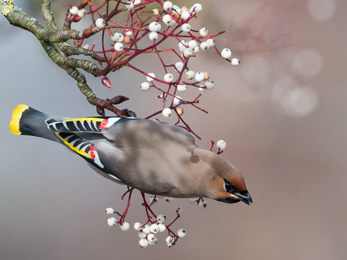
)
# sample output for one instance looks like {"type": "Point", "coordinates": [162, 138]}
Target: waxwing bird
{"type": "Point", "coordinates": [153, 157]}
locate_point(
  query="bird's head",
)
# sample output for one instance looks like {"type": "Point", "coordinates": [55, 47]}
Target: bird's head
{"type": "Point", "coordinates": [223, 181]}
{"type": "Point", "coordinates": [231, 194]}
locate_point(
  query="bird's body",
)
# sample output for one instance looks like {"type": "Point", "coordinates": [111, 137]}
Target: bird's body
{"type": "Point", "coordinates": [151, 156]}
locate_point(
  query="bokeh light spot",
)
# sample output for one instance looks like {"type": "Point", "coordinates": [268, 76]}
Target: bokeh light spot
{"type": "Point", "coordinates": [321, 10]}
{"type": "Point", "coordinates": [308, 62]}
{"type": "Point", "coordinates": [293, 100]}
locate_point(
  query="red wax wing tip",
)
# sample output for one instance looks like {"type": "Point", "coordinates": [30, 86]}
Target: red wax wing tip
{"type": "Point", "coordinates": [92, 151]}
{"type": "Point", "coordinates": [103, 124]}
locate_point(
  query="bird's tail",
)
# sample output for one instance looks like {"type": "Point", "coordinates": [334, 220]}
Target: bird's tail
{"type": "Point", "coordinates": [29, 121]}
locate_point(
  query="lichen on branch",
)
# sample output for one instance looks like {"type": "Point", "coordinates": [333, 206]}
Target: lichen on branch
{"type": "Point", "coordinates": [54, 43]}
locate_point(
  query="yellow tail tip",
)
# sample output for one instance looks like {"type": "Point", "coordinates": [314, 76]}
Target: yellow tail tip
{"type": "Point", "coordinates": [16, 116]}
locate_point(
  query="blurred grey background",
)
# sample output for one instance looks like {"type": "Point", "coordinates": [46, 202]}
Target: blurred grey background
{"type": "Point", "coordinates": [281, 112]}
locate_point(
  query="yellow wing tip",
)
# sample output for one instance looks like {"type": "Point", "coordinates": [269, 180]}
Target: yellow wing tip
{"type": "Point", "coordinates": [16, 116]}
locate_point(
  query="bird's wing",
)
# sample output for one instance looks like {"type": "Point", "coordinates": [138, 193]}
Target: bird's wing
{"type": "Point", "coordinates": [80, 135]}
{"type": "Point", "coordinates": [76, 125]}
{"type": "Point", "coordinates": [133, 132]}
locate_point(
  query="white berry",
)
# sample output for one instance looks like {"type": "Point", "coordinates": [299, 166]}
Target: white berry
{"type": "Point", "coordinates": [177, 100]}
{"type": "Point", "coordinates": [179, 66]}
{"type": "Point", "coordinates": [169, 199]}
{"type": "Point", "coordinates": [125, 226]}
{"type": "Point", "coordinates": [166, 112]}
{"type": "Point", "coordinates": [82, 13]}
{"type": "Point", "coordinates": [161, 218]}
{"type": "Point", "coordinates": [226, 53]}
{"type": "Point", "coordinates": [115, 36]}
{"type": "Point", "coordinates": [153, 36]}
{"type": "Point", "coordinates": [199, 76]}
{"type": "Point", "coordinates": [204, 46]}
{"type": "Point", "coordinates": [129, 5]}
{"type": "Point", "coordinates": [192, 44]}
{"type": "Point", "coordinates": [171, 241]}
{"type": "Point", "coordinates": [100, 23]}
{"type": "Point", "coordinates": [167, 5]}
{"type": "Point", "coordinates": [151, 74]}
{"type": "Point", "coordinates": [167, 19]}
{"type": "Point", "coordinates": [178, 210]}
{"type": "Point", "coordinates": [145, 86]}
{"type": "Point", "coordinates": [181, 87]}
{"type": "Point", "coordinates": [210, 42]}
{"type": "Point", "coordinates": [118, 46]}
{"type": "Point", "coordinates": [146, 229]}
{"type": "Point", "coordinates": [191, 200]}
{"type": "Point", "coordinates": [176, 9]}
{"type": "Point", "coordinates": [168, 77]}
{"type": "Point", "coordinates": [73, 10]}
{"type": "Point", "coordinates": [121, 38]}
{"type": "Point", "coordinates": [196, 8]}
{"type": "Point", "coordinates": [137, 226]}
{"type": "Point", "coordinates": [202, 204]}
{"type": "Point", "coordinates": [112, 221]}
{"type": "Point", "coordinates": [188, 52]}
{"type": "Point", "coordinates": [190, 74]}
{"type": "Point", "coordinates": [154, 228]}
{"type": "Point", "coordinates": [209, 84]}
{"type": "Point", "coordinates": [162, 227]}
{"type": "Point", "coordinates": [202, 88]}
{"type": "Point", "coordinates": [151, 237]}
{"type": "Point", "coordinates": [143, 243]}
{"type": "Point", "coordinates": [152, 240]}
{"type": "Point", "coordinates": [172, 23]}
{"type": "Point", "coordinates": [185, 15]}
{"type": "Point", "coordinates": [109, 211]}
{"type": "Point", "coordinates": [235, 61]}
{"type": "Point", "coordinates": [129, 32]}
{"type": "Point", "coordinates": [186, 27]}
{"type": "Point", "coordinates": [182, 45]}
{"type": "Point", "coordinates": [141, 234]}
{"type": "Point", "coordinates": [182, 232]}
{"type": "Point", "coordinates": [221, 144]}
{"type": "Point", "coordinates": [154, 26]}
{"type": "Point", "coordinates": [203, 31]}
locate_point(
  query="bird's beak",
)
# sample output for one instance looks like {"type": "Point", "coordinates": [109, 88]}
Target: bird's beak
{"type": "Point", "coordinates": [237, 197]}
{"type": "Point", "coordinates": [244, 197]}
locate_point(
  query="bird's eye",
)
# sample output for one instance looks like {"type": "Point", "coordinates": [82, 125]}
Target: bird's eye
{"type": "Point", "coordinates": [229, 187]}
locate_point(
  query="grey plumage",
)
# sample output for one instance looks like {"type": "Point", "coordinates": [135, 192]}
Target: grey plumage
{"type": "Point", "coordinates": [151, 156]}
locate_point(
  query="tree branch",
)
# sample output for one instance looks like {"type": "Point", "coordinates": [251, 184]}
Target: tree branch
{"type": "Point", "coordinates": [54, 43]}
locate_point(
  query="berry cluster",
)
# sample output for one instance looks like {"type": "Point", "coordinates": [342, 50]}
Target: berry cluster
{"type": "Point", "coordinates": [154, 224]}
{"type": "Point", "coordinates": [143, 31]}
